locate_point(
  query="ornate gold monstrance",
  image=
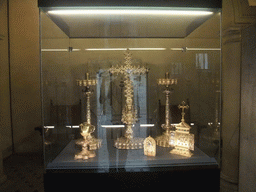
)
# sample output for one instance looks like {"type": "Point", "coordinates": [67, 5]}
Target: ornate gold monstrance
{"type": "Point", "coordinates": [129, 113]}
{"type": "Point", "coordinates": [89, 143]}
{"type": "Point", "coordinates": [184, 141]}
{"type": "Point", "coordinates": [167, 138]}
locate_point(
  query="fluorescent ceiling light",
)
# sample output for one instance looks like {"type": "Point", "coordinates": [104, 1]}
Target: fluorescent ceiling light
{"type": "Point", "coordinates": [147, 125]}
{"type": "Point", "coordinates": [195, 49]}
{"type": "Point", "coordinates": [106, 49]}
{"type": "Point", "coordinates": [177, 49]}
{"type": "Point", "coordinates": [122, 126]}
{"type": "Point", "coordinates": [124, 49]}
{"type": "Point", "coordinates": [112, 126]}
{"type": "Point", "coordinates": [128, 11]}
{"type": "Point", "coordinates": [53, 50]}
{"type": "Point", "coordinates": [147, 49]}
{"type": "Point", "coordinates": [59, 50]}
{"type": "Point", "coordinates": [203, 49]}
{"type": "Point", "coordinates": [73, 126]}
{"type": "Point", "coordinates": [49, 127]}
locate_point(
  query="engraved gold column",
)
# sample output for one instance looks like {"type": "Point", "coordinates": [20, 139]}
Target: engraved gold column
{"type": "Point", "coordinates": [167, 138]}
{"type": "Point", "coordinates": [89, 143]}
{"type": "Point", "coordinates": [129, 113]}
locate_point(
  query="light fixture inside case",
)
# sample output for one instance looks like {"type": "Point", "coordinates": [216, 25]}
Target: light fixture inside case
{"type": "Point", "coordinates": [128, 22]}
{"type": "Point", "coordinates": [130, 11]}
{"type": "Point", "coordinates": [123, 49]}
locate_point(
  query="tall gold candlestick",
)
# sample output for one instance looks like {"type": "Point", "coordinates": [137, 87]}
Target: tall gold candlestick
{"type": "Point", "coordinates": [89, 143]}
{"type": "Point", "coordinates": [167, 139]}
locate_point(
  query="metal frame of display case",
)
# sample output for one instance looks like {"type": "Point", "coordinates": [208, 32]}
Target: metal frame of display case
{"type": "Point", "coordinates": [194, 176]}
{"type": "Point", "coordinates": [148, 3]}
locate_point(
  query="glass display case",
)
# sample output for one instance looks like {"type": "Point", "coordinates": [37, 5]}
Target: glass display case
{"type": "Point", "coordinates": [130, 89]}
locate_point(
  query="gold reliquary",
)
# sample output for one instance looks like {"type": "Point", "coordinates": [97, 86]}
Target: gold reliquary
{"type": "Point", "coordinates": [149, 146]}
{"type": "Point", "coordinates": [183, 140]}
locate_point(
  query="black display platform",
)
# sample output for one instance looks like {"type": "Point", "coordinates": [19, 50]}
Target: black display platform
{"type": "Point", "coordinates": [129, 169]}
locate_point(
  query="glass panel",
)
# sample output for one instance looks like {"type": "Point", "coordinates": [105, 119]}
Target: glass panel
{"type": "Point", "coordinates": [57, 103]}
{"type": "Point", "coordinates": [111, 82]}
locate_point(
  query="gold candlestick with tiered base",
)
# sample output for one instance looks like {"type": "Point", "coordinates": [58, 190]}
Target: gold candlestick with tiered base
{"type": "Point", "coordinates": [89, 143]}
{"type": "Point", "coordinates": [167, 138]}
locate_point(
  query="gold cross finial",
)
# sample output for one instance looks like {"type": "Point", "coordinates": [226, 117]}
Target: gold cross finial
{"type": "Point", "coordinates": [87, 76]}
{"type": "Point", "coordinates": [183, 107]}
{"type": "Point", "coordinates": [128, 68]}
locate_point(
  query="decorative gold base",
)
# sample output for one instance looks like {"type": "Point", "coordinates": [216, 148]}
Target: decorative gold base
{"type": "Point", "coordinates": [85, 154]}
{"type": "Point", "coordinates": [133, 143]}
{"type": "Point", "coordinates": [93, 143]}
{"type": "Point", "coordinates": [88, 147]}
{"type": "Point", "coordinates": [181, 151]}
{"type": "Point", "coordinates": [166, 140]}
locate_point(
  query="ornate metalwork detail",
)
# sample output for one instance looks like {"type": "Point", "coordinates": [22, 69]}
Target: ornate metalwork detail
{"type": "Point", "coordinates": [149, 146]}
{"type": "Point", "coordinates": [129, 113]}
{"type": "Point", "coordinates": [167, 139]}
{"type": "Point", "coordinates": [183, 107]}
{"type": "Point", "coordinates": [88, 142]}
{"type": "Point", "coordinates": [184, 141]}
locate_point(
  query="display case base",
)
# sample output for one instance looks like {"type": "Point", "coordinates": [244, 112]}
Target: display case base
{"type": "Point", "coordinates": [131, 169]}
{"type": "Point", "coordinates": [197, 178]}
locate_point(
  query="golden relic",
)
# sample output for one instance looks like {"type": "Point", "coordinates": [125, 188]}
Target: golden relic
{"type": "Point", "coordinates": [184, 141]}
{"type": "Point", "coordinates": [129, 113]}
{"type": "Point", "coordinates": [89, 143]}
{"type": "Point", "coordinates": [167, 138]}
{"type": "Point", "coordinates": [149, 146]}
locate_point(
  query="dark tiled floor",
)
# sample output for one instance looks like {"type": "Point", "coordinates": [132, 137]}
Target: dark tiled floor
{"type": "Point", "coordinates": [24, 173]}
